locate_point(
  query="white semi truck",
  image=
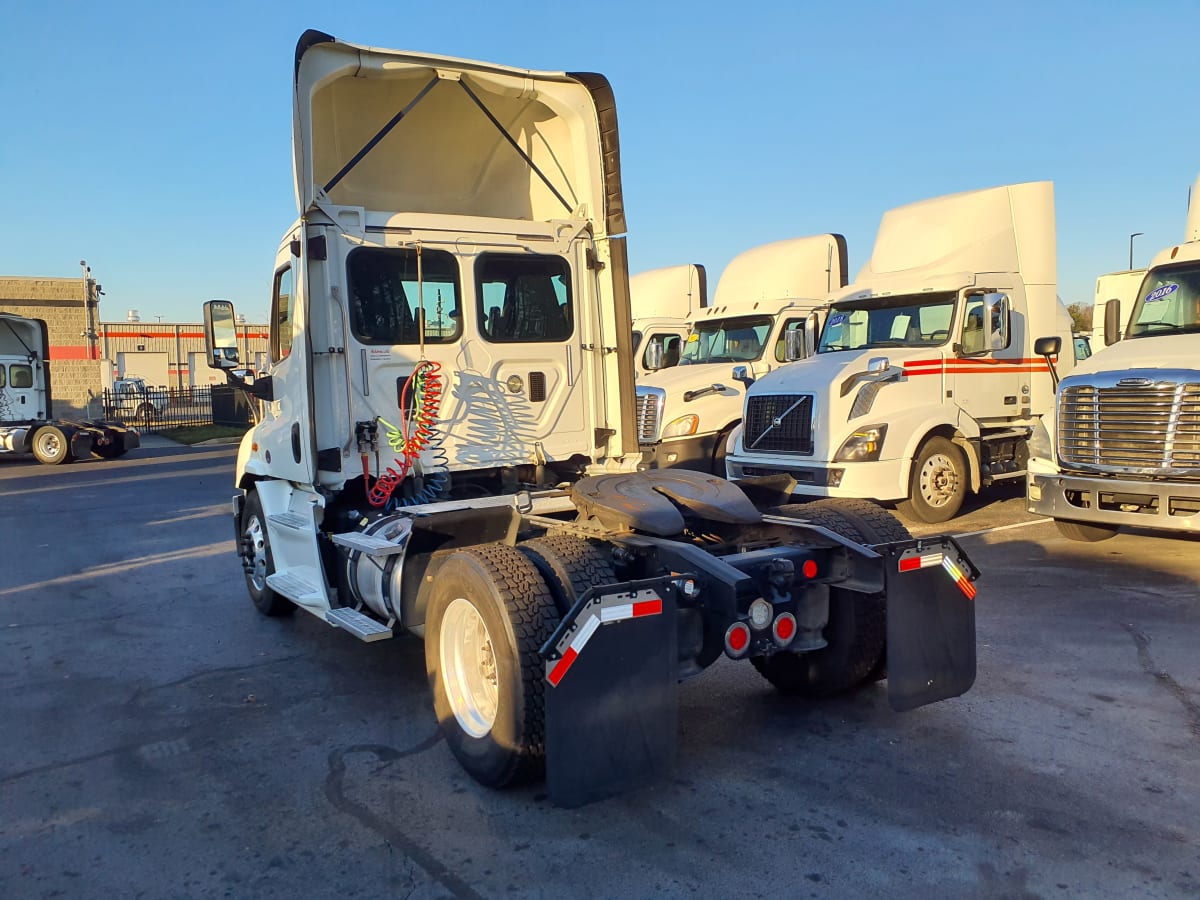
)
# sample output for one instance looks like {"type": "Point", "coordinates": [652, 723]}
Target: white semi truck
{"type": "Point", "coordinates": [447, 446]}
{"type": "Point", "coordinates": [928, 379]}
{"type": "Point", "coordinates": [686, 413]}
{"type": "Point", "coordinates": [1124, 446]}
{"type": "Point", "coordinates": [663, 302]}
{"type": "Point", "coordinates": [1122, 287]}
{"type": "Point", "coordinates": [26, 425]}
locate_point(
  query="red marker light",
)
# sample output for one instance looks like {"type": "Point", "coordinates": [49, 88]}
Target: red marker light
{"type": "Point", "coordinates": [784, 629]}
{"type": "Point", "coordinates": [809, 568]}
{"type": "Point", "coordinates": [737, 639]}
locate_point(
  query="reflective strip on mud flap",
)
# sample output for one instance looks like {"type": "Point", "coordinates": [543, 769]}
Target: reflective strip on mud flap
{"type": "Point", "coordinates": [604, 610]}
{"type": "Point", "coordinates": [912, 561]}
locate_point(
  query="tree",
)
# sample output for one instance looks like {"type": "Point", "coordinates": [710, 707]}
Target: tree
{"type": "Point", "coordinates": [1081, 317]}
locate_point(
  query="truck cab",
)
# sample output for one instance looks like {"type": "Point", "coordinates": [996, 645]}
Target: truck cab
{"type": "Point", "coordinates": [663, 302]}
{"type": "Point", "coordinates": [925, 384]}
{"type": "Point", "coordinates": [1124, 446]}
{"type": "Point", "coordinates": [130, 398]}
{"type": "Point", "coordinates": [685, 414]}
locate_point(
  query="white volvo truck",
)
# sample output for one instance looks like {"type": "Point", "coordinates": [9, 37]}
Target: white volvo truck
{"type": "Point", "coordinates": [686, 413]}
{"type": "Point", "coordinates": [447, 446]}
{"type": "Point", "coordinates": [664, 301]}
{"type": "Point", "coordinates": [927, 381]}
{"type": "Point", "coordinates": [1124, 447]}
{"type": "Point", "coordinates": [26, 401]}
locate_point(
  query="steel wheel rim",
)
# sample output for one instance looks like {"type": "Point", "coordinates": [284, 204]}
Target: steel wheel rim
{"type": "Point", "coordinates": [939, 480]}
{"type": "Point", "coordinates": [257, 553]}
{"type": "Point", "coordinates": [50, 444]}
{"type": "Point", "coordinates": [468, 668]}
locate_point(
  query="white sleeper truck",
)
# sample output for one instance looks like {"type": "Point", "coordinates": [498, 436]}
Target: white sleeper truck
{"type": "Point", "coordinates": [1124, 446]}
{"type": "Point", "coordinates": [685, 414]}
{"type": "Point", "coordinates": [663, 302]}
{"type": "Point", "coordinates": [26, 425]}
{"type": "Point", "coordinates": [1122, 287]}
{"type": "Point", "coordinates": [928, 379]}
{"type": "Point", "coordinates": [447, 445]}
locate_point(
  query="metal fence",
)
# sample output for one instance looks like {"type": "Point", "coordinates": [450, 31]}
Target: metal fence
{"type": "Point", "coordinates": [161, 408]}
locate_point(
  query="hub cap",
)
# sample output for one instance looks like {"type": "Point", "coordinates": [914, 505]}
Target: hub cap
{"type": "Point", "coordinates": [256, 553]}
{"type": "Point", "coordinates": [51, 446]}
{"type": "Point", "coordinates": [939, 480]}
{"type": "Point", "coordinates": [468, 666]}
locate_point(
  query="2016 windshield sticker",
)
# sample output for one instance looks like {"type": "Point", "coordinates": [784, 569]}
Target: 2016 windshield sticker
{"type": "Point", "coordinates": [1159, 293]}
{"type": "Point", "coordinates": [839, 318]}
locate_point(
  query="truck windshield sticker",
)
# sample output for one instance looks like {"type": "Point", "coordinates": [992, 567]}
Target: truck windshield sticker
{"type": "Point", "coordinates": [692, 338]}
{"type": "Point", "coordinates": [839, 318]}
{"type": "Point", "coordinates": [1162, 292]}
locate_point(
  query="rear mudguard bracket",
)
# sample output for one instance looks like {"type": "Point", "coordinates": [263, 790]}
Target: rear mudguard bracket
{"type": "Point", "coordinates": [612, 696]}
{"type": "Point", "coordinates": [930, 620]}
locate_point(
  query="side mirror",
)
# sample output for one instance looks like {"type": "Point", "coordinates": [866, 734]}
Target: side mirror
{"type": "Point", "coordinates": [1112, 322]}
{"type": "Point", "coordinates": [878, 364]}
{"type": "Point", "coordinates": [744, 374]}
{"type": "Point", "coordinates": [220, 335]}
{"type": "Point", "coordinates": [653, 357]}
{"type": "Point", "coordinates": [795, 344]}
{"type": "Point", "coordinates": [995, 321]}
{"type": "Point", "coordinates": [1048, 347]}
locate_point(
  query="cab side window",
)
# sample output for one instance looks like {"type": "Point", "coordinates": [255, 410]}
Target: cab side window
{"type": "Point", "coordinates": [20, 376]}
{"type": "Point", "coordinates": [524, 299]}
{"type": "Point", "coordinates": [283, 309]}
{"type": "Point", "coordinates": [1, 376]}
{"type": "Point", "coordinates": [672, 345]}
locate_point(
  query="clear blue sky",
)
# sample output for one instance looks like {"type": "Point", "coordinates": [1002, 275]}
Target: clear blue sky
{"type": "Point", "coordinates": [153, 139]}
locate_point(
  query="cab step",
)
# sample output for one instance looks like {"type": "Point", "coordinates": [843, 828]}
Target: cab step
{"type": "Point", "coordinates": [298, 587]}
{"type": "Point", "coordinates": [361, 626]}
{"type": "Point", "coordinates": [369, 544]}
{"type": "Point", "coordinates": [291, 520]}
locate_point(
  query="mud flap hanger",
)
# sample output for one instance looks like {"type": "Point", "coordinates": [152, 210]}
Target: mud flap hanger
{"type": "Point", "coordinates": [421, 94]}
{"type": "Point", "coordinates": [611, 691]}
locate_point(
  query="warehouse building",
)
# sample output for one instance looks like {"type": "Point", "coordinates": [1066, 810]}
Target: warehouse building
{"type": "Point", "coordinates": [86, 354]}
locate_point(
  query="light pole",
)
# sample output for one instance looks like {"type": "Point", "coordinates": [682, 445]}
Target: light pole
{"type": "Point", "coordinates": [1131, 237]}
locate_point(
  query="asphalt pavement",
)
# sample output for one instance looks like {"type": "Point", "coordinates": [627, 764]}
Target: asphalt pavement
{"type": "Point", "coordinates": [161, 739]}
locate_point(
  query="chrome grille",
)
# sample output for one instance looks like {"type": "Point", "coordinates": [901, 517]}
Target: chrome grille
{"type": "Point", "coordinates": [649, 408]}
{"type": "Point", "coordinates": [1151, 426]}
{"type": "Point", "coordinates": [779, 423]}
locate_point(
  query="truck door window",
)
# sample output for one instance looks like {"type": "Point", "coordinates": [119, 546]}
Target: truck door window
{"type": "Point", "coordinates": [389, 291]}
{"type": "Point", "coordinates": [283, 308]}
{"type": "Point", "coordinates": [1, 376]}
{"type": "Point", "coordinates": [20, 376]}
{"type": "Point", "coordinates": [524, 298]}
{"type": "Point", "coordinates": [672, 345]}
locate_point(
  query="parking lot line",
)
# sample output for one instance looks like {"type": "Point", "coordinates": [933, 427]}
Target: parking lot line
{"type": "Point", "coordinates": [1037, 521]}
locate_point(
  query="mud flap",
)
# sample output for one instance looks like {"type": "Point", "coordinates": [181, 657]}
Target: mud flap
{"type": "Point", "coordinates": [930, 621]}
{"type": "Point", "coordinates": [612, 693]}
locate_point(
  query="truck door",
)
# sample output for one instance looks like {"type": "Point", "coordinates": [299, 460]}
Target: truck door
{"type": "Point", "coordinates": [987, 384]}
{"type": "Point", "coordinates": [531, 356]}
{"type": "Point", "coordinates": [286, 429]}
{"type": "Point", "coordinates": [18, 397]}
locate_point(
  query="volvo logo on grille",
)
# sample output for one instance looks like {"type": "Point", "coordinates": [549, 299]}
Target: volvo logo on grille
{"type": "Point", "coordinates": [1135, 382]}
{"type": "Point", "coordinates": [777, 421]}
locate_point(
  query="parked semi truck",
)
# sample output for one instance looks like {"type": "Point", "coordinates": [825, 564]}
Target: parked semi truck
{"type": "Point", "coordinates": [928, 379]}
{"type": "Point", "coordinates": [685, 414]}
{"type": "Point", "coordinates": [476, 484]}
{"type": "Point", "coordinates": [1124, 446]}
{"type": "Point", "coordinates": [26, 425]}
{"type": "Point", "coordinates": [664, 301]}
{"type": "Point", "coordinates": [1122, 287]}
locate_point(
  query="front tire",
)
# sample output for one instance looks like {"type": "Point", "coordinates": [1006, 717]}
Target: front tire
{"type": "Point", "coordinates": [51, 446]}
{"type": "Point", "coordinates": [259, 562]}
{"type": "Point", "coordinates": [1080, 531]}
{"type": "Point", "coordinates": [937, 485]}
{"type": "Point", "coordinates": [489, 613]}
{"type": "Point", "coordinates": [856, 633]}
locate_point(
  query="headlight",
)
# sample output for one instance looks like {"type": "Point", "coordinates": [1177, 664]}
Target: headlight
{"type": "Point", "coordinates": [863, 445]}
{"type": "Point", "coordinates": [682, 427]}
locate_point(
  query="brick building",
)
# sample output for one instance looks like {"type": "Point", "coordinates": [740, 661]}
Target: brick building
{"type": "Point", "coordinates": [86, 354]}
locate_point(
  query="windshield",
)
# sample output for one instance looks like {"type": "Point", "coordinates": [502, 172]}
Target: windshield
{"type": "Point", "coordinates": [726, 340]}
{"type": "Point", "coordinates": [1169, 301]}
{"type": "Point", "coordinates": [922, 321]}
